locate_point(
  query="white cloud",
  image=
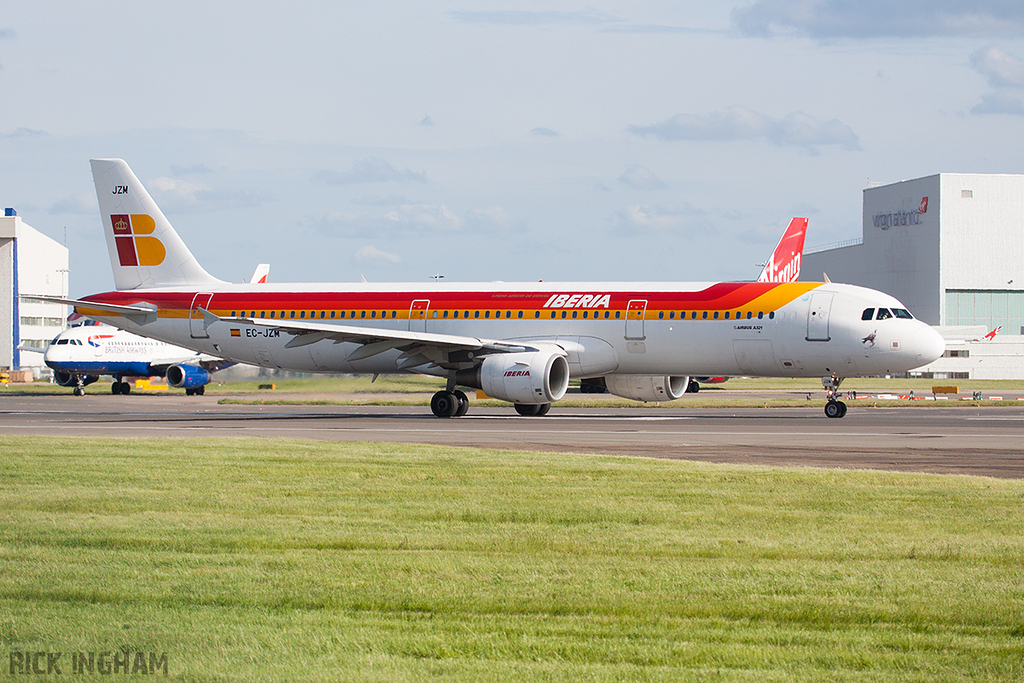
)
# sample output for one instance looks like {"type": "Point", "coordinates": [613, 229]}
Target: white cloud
{"type": "Point", "coordinates": [373, 170]}
{"type": "Point", "coordinates": [435, 216]}
{"type": "Point", "coordinates": [1005, 74]}
{"type": "Point", "coordinates": [371, 254]}
{"type": "Point", "coordinates": [183, 196]}
{"type": "Point", "coordinates": [494, 217]}
{"type": "Point", "coordinates": [23, 133]}
{"type": "Point", "coordinates": [827, 19]}
{"type": "Point", "coordinates": [796, 129]}
{"type": "Point", "coordinates": [1000, 68]}
{"type": "Point", "coordinates": [999, 103]}
{"type": "Point", "coordinates": [545, 132]}
{"type": "Point", "coordinates": [663, 218]}
{"type": "Point", "coordinates": [80, 203]}
{"type": "Point", "coordinates": [640, 178]}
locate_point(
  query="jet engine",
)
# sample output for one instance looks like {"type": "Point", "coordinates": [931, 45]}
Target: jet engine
{"type": "Point", "coordinates": [67, 379]}
{"type": "Point", "coordinates": [187, 376]}
{"type": "Point", "coordinates": [647, 387]}
{"type": "Point", "coordinates": [529, 378]}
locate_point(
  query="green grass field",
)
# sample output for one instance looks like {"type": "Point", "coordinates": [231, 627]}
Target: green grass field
{"type": "Point", "coordinates": [250, 560]}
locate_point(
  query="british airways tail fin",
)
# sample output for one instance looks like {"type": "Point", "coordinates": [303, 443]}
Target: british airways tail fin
{"type": "Point", "coordinates": [145, 251]}
{"type": "Point", "coordinates": [784, 264]}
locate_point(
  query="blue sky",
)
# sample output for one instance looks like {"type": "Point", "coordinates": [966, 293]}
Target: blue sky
{"type": "Point", "coordinates": [555, 141]}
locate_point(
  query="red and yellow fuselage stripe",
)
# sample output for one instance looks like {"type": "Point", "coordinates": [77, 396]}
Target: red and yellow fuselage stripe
{"type": "Point", "coordinates": [738, 297]}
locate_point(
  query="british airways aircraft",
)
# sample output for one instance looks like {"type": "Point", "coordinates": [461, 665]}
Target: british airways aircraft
{"type": "Point", "coordinates": [519, 343]}
{"type": "Point", "coordinates": [79, 355]}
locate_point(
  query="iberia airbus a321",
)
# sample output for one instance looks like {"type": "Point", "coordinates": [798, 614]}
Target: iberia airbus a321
{"type": "Point", "coordinates": [520, 343]}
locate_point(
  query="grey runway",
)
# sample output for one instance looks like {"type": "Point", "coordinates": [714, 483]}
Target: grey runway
{"type": "Point", "coordinates": [986, 441]}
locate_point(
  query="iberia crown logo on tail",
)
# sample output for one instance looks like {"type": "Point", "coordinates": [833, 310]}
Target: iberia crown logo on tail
{"type": "Point", "coordinates": [135, 246]}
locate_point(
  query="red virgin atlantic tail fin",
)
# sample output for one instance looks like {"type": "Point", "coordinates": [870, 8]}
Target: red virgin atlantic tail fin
{"type": "Point", "coordinates": [784, 264]}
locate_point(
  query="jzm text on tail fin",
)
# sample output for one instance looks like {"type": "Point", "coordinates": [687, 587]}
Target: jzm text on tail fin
{"type": "Point", "coordinates": [145, 251]}
{"type": "Point", "coordinates": [784, 264]}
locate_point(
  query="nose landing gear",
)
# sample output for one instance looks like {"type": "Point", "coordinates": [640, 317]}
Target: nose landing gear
{"type": "Point", "coordinates": [834, 408]}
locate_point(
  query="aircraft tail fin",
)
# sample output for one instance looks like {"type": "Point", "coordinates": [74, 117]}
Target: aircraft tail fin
{"type": "Point", "coordinates": [145, 251]}
{"type": "Point", "coordinates": [260, 275]}
{"type": "Point", "coordinates": [784, 264]}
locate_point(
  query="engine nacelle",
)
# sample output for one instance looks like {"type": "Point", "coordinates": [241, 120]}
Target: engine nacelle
{"type": "Point", "coordinates": [647, 387]}
{"type": "Point", "coordinates": [67, 379]}
{"type": "Point", "coordinates": [187, 376]}
{"type": "Point", "coordinates": [530, 378]}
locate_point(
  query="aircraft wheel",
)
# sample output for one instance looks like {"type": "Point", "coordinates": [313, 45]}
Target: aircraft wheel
{"type": "Point", "coordinates": [199, 391]}
{"type": "Point", "coordinates": [463, 403]}
{"type": "Point", "coordinates": [78, 391]}
{"type": "Point", "coordinates": [544, 408]}
{"type": "Point", "coordinates": [115, 388]}
{"type": "Point", "coordinates": [126, 388]}
{"type": "Point", "coordinates": [693, 387]}
{"type": "Point", "coordinates": [528, 409]}
{"type": "Point", "coordinates": [189, 391]}
{"type": "Point", "coordinates": [444, 404]}
{"type": "Point", "coordinates": [835, 409]}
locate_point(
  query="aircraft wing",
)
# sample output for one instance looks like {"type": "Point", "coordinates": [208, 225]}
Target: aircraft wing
{"type": "Point", "coordinates": [418, 347]}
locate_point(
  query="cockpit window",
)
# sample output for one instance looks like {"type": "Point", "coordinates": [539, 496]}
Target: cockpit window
{"type": "Point", "coordinates": [902, 313]}
{"type": "Point", "coordinates": [62, 342]}
{"type": "Point", "coordinates": [883, 314]}
{"type": "Point", "coordinates": [868, 314]}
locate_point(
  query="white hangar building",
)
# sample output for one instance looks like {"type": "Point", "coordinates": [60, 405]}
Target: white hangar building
{"type": "Point", "coordinates": [951, 248]}
{"type": "Point", "coordinates": [30, 263]}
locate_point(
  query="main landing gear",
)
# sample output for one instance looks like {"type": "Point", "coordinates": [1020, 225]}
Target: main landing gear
{"type": "Point", "coordinates": [447, 403]}
{"type": "Point", "coordinates": [454, 403]}
{"type": "Point", "coordinates": [833, 407]}
{"type": "Point", "coordinates": [119, 387]}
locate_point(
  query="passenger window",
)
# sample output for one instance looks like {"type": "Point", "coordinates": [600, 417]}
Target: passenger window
{"type": "Point", "coordinates": [868, 314]}
{"type": "Point", "coordinates": [760, 315]}
{"type": "Point", "coordinates": [704, 315]}
{"type": "Point", "coordinates": [883, 314]}
{"type": "Point", "coordinates": [487, 314]}
{"type": "Point", "coordinates": [716, 315]}
{"type": "Point", "coordinates": [520, 314]}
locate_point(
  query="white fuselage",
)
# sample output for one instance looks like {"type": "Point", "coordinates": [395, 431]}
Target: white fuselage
{"type": "Point", "coordinates": [639, 329]}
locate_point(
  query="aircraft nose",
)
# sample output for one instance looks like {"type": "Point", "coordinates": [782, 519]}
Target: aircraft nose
{"type": "Point", "coordinates": [929, 345]}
